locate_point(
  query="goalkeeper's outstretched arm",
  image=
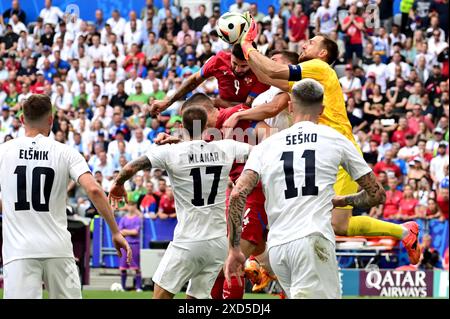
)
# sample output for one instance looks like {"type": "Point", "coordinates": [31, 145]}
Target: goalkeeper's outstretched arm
{"type": "Point", "coordinates": [268, 71]}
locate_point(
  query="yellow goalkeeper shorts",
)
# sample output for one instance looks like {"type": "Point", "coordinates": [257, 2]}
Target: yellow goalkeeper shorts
{"type": "Point", "coordinates": [345, 185]}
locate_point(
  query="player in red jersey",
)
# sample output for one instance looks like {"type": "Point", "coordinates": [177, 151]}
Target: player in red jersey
{"type": "Point", "coordinates": [237, 83]}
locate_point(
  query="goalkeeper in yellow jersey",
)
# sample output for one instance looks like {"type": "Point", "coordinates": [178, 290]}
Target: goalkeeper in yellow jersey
{"type": "Point", "coordinates": [315, 60]}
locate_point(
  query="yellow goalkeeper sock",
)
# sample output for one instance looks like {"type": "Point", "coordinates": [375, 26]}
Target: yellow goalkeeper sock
{"type": "Point", "coordinates": [368, 226]}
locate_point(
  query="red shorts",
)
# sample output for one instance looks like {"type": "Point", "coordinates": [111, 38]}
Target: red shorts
{"type": "Point", "coordinates": [255, 221]}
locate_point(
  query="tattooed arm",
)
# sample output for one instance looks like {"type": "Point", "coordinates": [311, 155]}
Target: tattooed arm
{"type": "Point", "coordinates": [132, 168]}
{"type": "Point", "coordinates": [372, 194]}
{"type": "Point", "coordinates": [118, 192]}
{"type": "Point", "coordinates": [244, 185]}
{"type": "Point", "coordinates": [236, 259]}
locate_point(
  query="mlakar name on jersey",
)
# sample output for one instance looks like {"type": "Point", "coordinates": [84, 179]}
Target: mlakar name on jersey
{"type": "Point", "coordinates": [301, 138]}
{"type": "Point", "coordinates": [204, 157]}
{"type": "Point", "coordinates": [33, 155]}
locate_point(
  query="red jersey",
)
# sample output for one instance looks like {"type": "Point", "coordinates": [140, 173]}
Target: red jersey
{"type": "Point", "coordinates": [298, 26]}
{"type": "Point", "coordinates": [353, 32]}
{"type": "Point", "coordinates": [408, 206]}
{"type": "Point", "coordinates": [37, 88]}
{"type": "Point", "coordinates": [399, 136]}
{"type": "Point", "coordinates": [384, 167]}
{"type": "Point", "coordinates": [167, 205]}
{"type": "Point", "coordinates": [224, 114]}
{"type": "Point", "coordinates": [443, 205]}
{"type": "Point", "coordinates": [231, 88]}
{"type": "Point", "coordinates": [392, 203]}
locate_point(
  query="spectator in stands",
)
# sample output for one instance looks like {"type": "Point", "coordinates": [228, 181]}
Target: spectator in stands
{"type": "Point", "coordinates": [139, 189]}
{"type": "Point", "coordinates": [155, 129]}
{"type": "Point", "coordinates": [104, 166]}
{"type": "Point", "coordinates": [325, 18]}
{"type": "Point", "coordinates": [408, 205]}
{"type": "Point", "coordinates": [298, 28]}
{"type": "Point", "coordinates": [240, 7]}
{"type": "Point", "coordinates": [432, 210]}
{"type": "Point", "coordinates": [258, 16]}
{"type": "Point", "coordinates": [353, 26]}
{"type": "Point", "coordinates": [387, 165]}
{"type": "Point", "coordinates": [390, 209]}
{"type": "Point", "coordinates": [15, 10]}
{"type": "Point", "coordinates": [410, 150]}
{"type": "Point", "coordinates": [430, 256]}
{"type": "Point", "coordinates": [438, 164]}
{"type": "Point", "coordinates": [130, 228]}
{"type": "Point", "coordinates": [149, 204]}
{"type": "Point", "coordinates": [167, 205]}
{"type": "Point", "coordinates": [349, 82]}
{"type": "Point", "coordinates": [201, 20]}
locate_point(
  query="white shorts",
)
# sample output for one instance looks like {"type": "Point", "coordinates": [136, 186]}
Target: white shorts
{"type": "Point", "coordinates": [197, 262]}
{"type": "Point", "coordinates": [23, 278]}
{"type": "Point", "coordinates": [307, 268]}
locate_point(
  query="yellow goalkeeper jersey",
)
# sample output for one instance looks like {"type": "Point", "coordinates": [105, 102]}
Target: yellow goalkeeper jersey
{"type": "Point", "coordinates": [335, 112]}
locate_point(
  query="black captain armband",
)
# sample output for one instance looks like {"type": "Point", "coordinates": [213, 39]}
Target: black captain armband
{"type": "Point", "coordinates": [295, 72]}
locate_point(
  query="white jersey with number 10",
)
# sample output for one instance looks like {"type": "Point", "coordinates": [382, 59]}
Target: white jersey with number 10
{"type": "Point", "coordinates": [34, 174]}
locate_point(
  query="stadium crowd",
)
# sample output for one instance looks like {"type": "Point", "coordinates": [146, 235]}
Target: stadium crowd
{"type": "Point", "coordinates": [103, 75]}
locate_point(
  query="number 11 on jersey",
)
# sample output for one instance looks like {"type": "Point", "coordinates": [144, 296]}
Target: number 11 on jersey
{"type": "Point", "coordinates": [310, 188]}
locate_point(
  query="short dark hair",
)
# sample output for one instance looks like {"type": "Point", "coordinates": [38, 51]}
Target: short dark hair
{"type": "Point", "coordinates": [198, 99]}
{"type": "Point", "coordinates": [291, 56]}
{"type": "Point", "coordinates": [237, 51]}
{"type": "Point", "coordinates": [36, 107]}
{"type": "Point", "coordinates": [191, 116]}
{"type": "Point", "coordinates": [331, 47]}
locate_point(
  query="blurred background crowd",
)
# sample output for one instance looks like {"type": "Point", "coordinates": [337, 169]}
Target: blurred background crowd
{"type": "Point", "coordinates": [102, 75]}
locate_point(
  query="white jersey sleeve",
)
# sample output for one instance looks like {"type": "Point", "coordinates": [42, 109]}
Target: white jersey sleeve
{"type": "Point", "coordinates": [254, 160]}
{"type": "Point", "coordinates": [241, 150]}
{"type": "Point", "coordinates": [76, 163]}
{"type": "Point", "coordinates": [352, 161]}
{"type": "Point", "coordinates": [158, 155]}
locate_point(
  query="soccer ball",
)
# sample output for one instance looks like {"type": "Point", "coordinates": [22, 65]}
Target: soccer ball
{"type": "Point", "coordinates": [116, 287]}
{"type": "Point", "coordinates": [231, 26]}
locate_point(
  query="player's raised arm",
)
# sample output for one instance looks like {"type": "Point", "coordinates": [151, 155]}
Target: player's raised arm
{"type": "Point", "coordinates": [98, 197]}
{"type": "Point", "coordinates": [373, 194]}
{"type": "Point", "coordinates": [244, 185]}
{"type": "Point", "coordinates": [190, 84]}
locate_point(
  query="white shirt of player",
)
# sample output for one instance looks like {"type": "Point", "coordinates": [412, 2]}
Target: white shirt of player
{"type": "Point", "coordinates": [34, 173]}
{"type": "Point", "coordinates": [282, 120]}
{"type": "Point", "coordinates": [297, 168]}
{"type": "Point", "coordinates": [198, 172]}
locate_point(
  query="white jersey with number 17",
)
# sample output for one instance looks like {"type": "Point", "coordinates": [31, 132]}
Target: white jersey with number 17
{"type": "Point", "coordinates": [298, 168]}
{"type": "Point", "coordinates": [198, 172]}
{"type": "Point", "coordinates": [34, 174]}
